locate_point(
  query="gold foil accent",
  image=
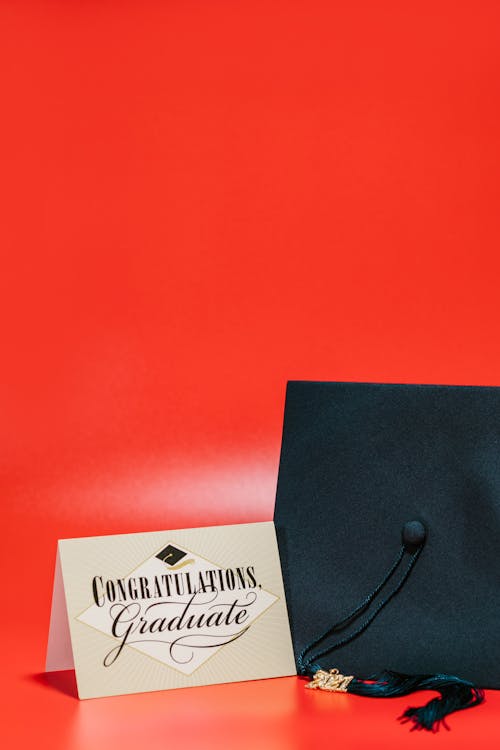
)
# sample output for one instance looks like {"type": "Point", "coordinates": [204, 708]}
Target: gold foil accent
{"type": "Point", "coordinates": [179, 565]}
{"type": "Point", "coordinates": [332, 681]}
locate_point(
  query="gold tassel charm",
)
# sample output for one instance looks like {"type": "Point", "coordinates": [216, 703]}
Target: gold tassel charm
{"type": "Point", "coordinates": [332, 681]}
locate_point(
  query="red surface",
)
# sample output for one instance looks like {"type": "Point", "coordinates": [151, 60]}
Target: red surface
{"type": "Point", "coordinates": [201, 200]}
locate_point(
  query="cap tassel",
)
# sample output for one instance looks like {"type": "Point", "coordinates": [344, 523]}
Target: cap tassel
{"type": "Point", "coordinates": [456, 695]}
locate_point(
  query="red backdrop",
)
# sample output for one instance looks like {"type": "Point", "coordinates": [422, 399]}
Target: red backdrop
{"type": "Point", "coordinates": [201, 200]}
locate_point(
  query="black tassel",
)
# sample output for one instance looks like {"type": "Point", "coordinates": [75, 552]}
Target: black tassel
{"type": "Point", "coordinates": [456, 695]}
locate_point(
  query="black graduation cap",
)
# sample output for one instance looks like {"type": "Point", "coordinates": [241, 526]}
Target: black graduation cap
{"type": "Point", "coordinates": [171, 555]}
{"type": "Point", "coordinates": [388, 523]}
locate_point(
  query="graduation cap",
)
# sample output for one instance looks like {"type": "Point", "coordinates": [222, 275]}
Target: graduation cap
{"type": "Point", "coordinates": [388, 522]}
{"type": "Point", "coordinates": [171, 555]}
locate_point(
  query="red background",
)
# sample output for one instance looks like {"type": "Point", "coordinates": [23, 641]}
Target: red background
{"type": "Point", "coordinates": [201, 200]}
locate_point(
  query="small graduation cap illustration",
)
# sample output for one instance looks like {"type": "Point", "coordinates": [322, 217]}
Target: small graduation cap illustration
{"type": "Point", "coordinates": [388, 521]}
{"type": "Point", "coordinates": [174, 557]}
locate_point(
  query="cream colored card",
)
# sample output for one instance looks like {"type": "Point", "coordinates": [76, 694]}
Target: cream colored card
{"type": "Point", "coordinates": [168, 609]}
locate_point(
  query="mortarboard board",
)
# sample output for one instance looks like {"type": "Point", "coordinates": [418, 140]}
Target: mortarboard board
{"type": "Point", "coordinates": [171, 555]}
{"type": "Point", "coordinates": [388, 519]}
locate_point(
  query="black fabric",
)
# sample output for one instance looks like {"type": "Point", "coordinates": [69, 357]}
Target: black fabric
{"type": "Point", "coordinates": [358, 461]}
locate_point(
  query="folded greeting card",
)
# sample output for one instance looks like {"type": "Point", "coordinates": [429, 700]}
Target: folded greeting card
{"type": "Point", "coordinates": [167, 609]}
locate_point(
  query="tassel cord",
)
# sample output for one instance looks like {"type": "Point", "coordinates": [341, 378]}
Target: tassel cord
{"type": "Point", "coordinates": [303, 664]}
{"type": "Point", "coordinates": [307, 666]}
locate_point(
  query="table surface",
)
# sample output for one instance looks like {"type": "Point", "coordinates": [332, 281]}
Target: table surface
{"type": "Point", "coordinates": [200, 201]}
